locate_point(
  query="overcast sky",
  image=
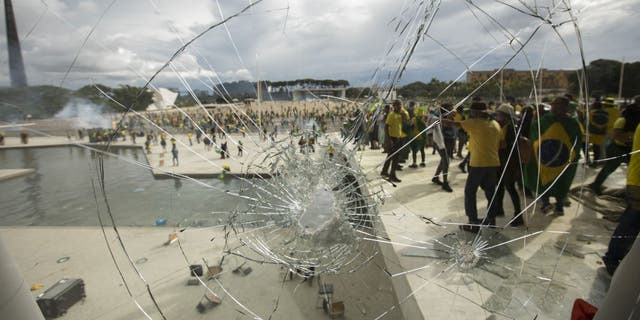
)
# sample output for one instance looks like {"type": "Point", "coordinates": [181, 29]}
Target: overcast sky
{"type": "Point", "coordinates": [282, 40]}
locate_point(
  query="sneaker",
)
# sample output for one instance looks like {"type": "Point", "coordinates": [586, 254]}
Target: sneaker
{"type": "Point", "coordinates": [384, 174]}
{"type": "Point", "coordinates": [413, 166]}
{"type": "Point", "coordinates": [609, 266]}
{"type": "Point", "coordinates": [558, 212]}
{"type": "Point", "coordinates": [469, 228]}
{"type": "Point", "coordinates": [517, 222]}
{"type": "Point", "coordinates": [436, 180]}
{"type": "Point", "coordinates": [446, 187]}
{"type": "Point", "coordinates": [547, 208]}
{"type": "Point", "coordinates": [595, 188]}
{"type": "Point", "coordinates": [423, 165]}
{"type": "Point", "coordinates": [566, 203]}
{"type": "Point", "coordinates": [394, 179]}
{"type": "Point", "coordinates": [489, 223]}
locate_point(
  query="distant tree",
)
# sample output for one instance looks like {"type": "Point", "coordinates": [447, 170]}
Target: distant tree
{"type": "Point", "coordinates": [93, 93]}
{"type": "Point", "coordinates": [132, 97]}
{"type": "Point", "coordinates": [40, 102]}
{"type": "Point", "coordinates": [353, 92]}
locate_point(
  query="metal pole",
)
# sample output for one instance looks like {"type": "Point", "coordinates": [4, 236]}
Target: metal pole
{"type": "Point", "coordinates": [621, 78]}
{"type": "Point", "coordinates": [501, 85]}
{"type": "Point", "coordinates": [16, 301]}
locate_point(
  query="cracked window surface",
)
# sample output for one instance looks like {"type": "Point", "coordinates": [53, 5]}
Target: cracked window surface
{"type": "Point", "coordinates": [280, 204]}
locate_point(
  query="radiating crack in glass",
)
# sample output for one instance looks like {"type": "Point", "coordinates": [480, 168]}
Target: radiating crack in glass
{"type": "Point", "coordinates": [320, 213]}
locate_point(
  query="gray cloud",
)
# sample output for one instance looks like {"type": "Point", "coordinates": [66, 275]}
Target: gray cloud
{"type": "Point", "coordinates": [322, 39]}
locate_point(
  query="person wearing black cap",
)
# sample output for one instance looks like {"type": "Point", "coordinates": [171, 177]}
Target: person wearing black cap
{"type": "Point", "coordinates": [484, 143]}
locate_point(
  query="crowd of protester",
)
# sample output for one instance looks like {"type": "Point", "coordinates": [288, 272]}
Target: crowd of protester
{"type": "Point", "coordinates": [522, 148]}
{"type": "Point", "coordinates": [531, 149]}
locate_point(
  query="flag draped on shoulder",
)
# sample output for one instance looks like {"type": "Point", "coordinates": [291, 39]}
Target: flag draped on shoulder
{"type": "Point", "coordinates": [555, 147]}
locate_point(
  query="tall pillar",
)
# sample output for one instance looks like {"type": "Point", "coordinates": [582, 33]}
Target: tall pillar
{"type": "Point", "coordinates": [16, 66]}
{"type": "Point", "coordinates": [16, 301]}
{"type": "Point", "coordinates": [259, 92]}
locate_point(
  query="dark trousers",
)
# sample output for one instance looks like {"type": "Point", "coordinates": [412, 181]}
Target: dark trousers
{"type": "Point", "coordinates": [597, 150]}
{"type": "Point", "coordinates": [462, 140]}
{"type": "Point", "coordinates": [450, 146]}
{"type": "Point", "coordinates": [509, 182]}
{"type": "Point", "coordinates": [485, 178]}
{"type": "Point", "coordinates": [443, 166]}
{"type": "Point", "coordinates": [613, 150]}
{"type": "Point", "coordinates": [626, 232]}
{"type": "Point", "coordinates": [414, 153]}
{"type": "Point", "coordinates": [393, 161]}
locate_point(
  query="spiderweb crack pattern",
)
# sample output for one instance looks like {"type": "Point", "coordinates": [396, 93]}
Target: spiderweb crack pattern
{"type": "Point", "coordinates": [320, 213]}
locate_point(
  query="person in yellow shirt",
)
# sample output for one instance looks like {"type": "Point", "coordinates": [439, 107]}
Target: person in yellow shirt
{"type": "Point", "coordinates": [609, 105]}
{"type": "Point", "coordinates": [620, 145]}
{"type": "Point", "coordinates": [393, 141]}
{"type": "Point", "coordinates": [484, 143]}
{"type": "Point", "coordinates": [598, 119]}
{"type": "Point", "coordinates": [629, 224]}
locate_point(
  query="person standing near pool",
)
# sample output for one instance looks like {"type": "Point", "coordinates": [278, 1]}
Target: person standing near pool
{"type": "Point", "coordinates": [174, 152]}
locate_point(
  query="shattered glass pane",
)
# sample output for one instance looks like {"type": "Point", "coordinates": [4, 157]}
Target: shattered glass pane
{"type": "Point", "coordinates": [274, 207]}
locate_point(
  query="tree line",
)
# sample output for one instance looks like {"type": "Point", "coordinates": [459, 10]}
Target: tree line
{"type": "Point", "coordinates": [603, 77]}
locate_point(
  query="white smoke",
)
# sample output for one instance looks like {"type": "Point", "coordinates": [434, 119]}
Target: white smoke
{"type": "Point", "coordinates": [84, 114]}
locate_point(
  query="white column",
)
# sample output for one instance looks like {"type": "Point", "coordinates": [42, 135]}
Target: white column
{"type": "Point", "coordinates": [623, 299]}
{"type": "Point", "coordinates": [16, 301]}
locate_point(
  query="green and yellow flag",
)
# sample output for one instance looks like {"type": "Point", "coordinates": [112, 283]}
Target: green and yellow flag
{"type": "Point", "coordinates": [556, 147]}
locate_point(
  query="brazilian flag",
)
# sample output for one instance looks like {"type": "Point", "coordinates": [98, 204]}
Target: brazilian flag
{"type": "Point", "coordinates": [598, 120]}
{"type": "Point", "coordinates": [556, 147]}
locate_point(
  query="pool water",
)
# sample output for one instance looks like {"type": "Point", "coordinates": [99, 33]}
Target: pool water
{"type": "Point", "coordinates": [60, 192]}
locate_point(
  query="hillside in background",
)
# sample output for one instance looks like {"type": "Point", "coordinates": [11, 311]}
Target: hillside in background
{"type": "Point", "coordinates": [39, 101]}
{"type": "Point", "coordinates": [43, 102]}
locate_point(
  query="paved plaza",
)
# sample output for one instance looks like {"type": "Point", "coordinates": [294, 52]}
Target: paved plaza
{"type": "Point", "coordinates": [554, 257]}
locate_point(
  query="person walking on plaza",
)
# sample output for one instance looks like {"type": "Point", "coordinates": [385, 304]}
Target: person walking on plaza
{"type": "Point", "coordinates": [620, 145]}
{"type": "Point", "coordinates": [223, 150]}
{"type": "Point", "coordinates": [556, 150]}
{"type": "Point", "coordinates": [484, 143]}
{"type": "Point", "coordinates": [597, 130]}
{"type": "Point", "coordinates": [393, 142]}
{"type": "Point", "coordinates": [462, 135]}
{"type": "Point", "coordinates": [174, 153]}
{"type": "Point", "coordinates": [439, 145]}
{"type": "Point", "coordinates": [240, 145]}
{"type": "Point", "coordinates": [509, 162]}
{"type": "Point", "coordinates": [629, 225]}
{"type": "Point", "coordinates": [163, 141]}
{"type": "Point", "coordinates": [418, 137]}
{"type": "Point", "coordinates": [147, 144]}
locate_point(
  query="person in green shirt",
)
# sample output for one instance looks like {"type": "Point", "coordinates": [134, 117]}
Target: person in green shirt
{"type": "Point", "coordinates": [419, 138]}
